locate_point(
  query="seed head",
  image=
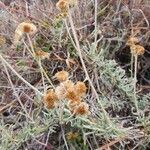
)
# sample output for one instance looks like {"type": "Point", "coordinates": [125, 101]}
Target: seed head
{"type": "Point", "coordinates": [80, 88]}
{"type": "Point", "coordinates": [82, 109]}
{"type": "Point", "coordinates": [62, 5]}
{"type": "Point", "coordinates": [71, 95]}
{"type": "Point", "coordinates": [62, 75]}
{"type": "Point", "coordinates": [137, 49]}
{"type": "Point", "coordinates": [72, 135]}
{"type": "Point", "coordinates": [73, 104]}
{"type": "Point", "coordinates": [60, 91]}
{"type": "Point", "coordinates": [132, 40]}
{"type": "Point", "coordinates": [49, 99]}
{"type": "Point", "coordinates": [68, 84]}
{"type": "Point", "coordinates": [22, 28]}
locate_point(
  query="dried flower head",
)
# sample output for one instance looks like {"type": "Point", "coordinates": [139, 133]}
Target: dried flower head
{"type": "Point", "coordinates": [62, 75]}
{"type": "Point", "coordinates": [137, 49]}
{"type": "Point", "coordinates": [73, 104]}
{"type": "Point", "coordinates": [80, 88]}
{"type": "Point", "coordinates": [68, 84]}
{"type": "Point", "coordinates": [62, 5]}
{"type": "Point", "coordinates": [71, 95]}
{"type": "Point", "coordinates": [22, 28]}
{"type": "Point", "coordinates": [49, 99]}
{"type": "Point", "coordinates": [27, 27]}
{"type": "Point", "coordinates": [2, 40]}
{"type": "Point", "coordinates": [82, 109]}
{"type": "Point", "coordinates": [132, 40]}
{"type": "Point", "coordinates": [72, 135]}
{"type": "Point", "coordinates": [41, 54]}
{"type": "Point", "coordinates": [60, 91]}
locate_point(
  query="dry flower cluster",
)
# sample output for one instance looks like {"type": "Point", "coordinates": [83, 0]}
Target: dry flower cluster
{"type": "Point", "coordinates": [135, 48]}
{"type": "Point", "coordinates": [66, 89]}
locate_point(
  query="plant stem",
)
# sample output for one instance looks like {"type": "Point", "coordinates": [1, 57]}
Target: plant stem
{"type": "Point", "coordinates": [19, 76]}
{"type": "Point", "coordinates": [38, 61]}
{"type": "Point", "coordinates": [135, 81]}
{"type": "Point", "coordinates": [83, 64]}
{"type": "Point", "coordinates": [15, 93]}
{"type": "Point", "coordinates": [31, 45]}
{"type": "Point", "coordinates": [132, 57]}
{"type": "Point", "coordinates": [95, 31]}
{"type": "Point", "coordinates": [42, 75]}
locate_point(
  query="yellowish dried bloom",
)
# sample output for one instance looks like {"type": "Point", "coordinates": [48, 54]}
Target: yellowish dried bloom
{"type": "Point", "coordinates": [50, 99]}
{"type": "Point", "coordinates": [137, 49]}
{"type": "Point", "coordinates": [132, 40]}
{"type": "Point", "coordinates": [2, 40]}
{"type": "Point", "coordinates": [62, 5]}
{"type": "Point", "coordinates": [41, 54]}
{"type": "Point", "coordinates": [22, 28]}
{"type": "Point", "coordinates": [80, 88]}
{"type": "Point", "coordinates": [82, 109]}
{"type": "Point", "coordinates": [72, 135]}
{"type": "Point", "coordinates": [62, 75]}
